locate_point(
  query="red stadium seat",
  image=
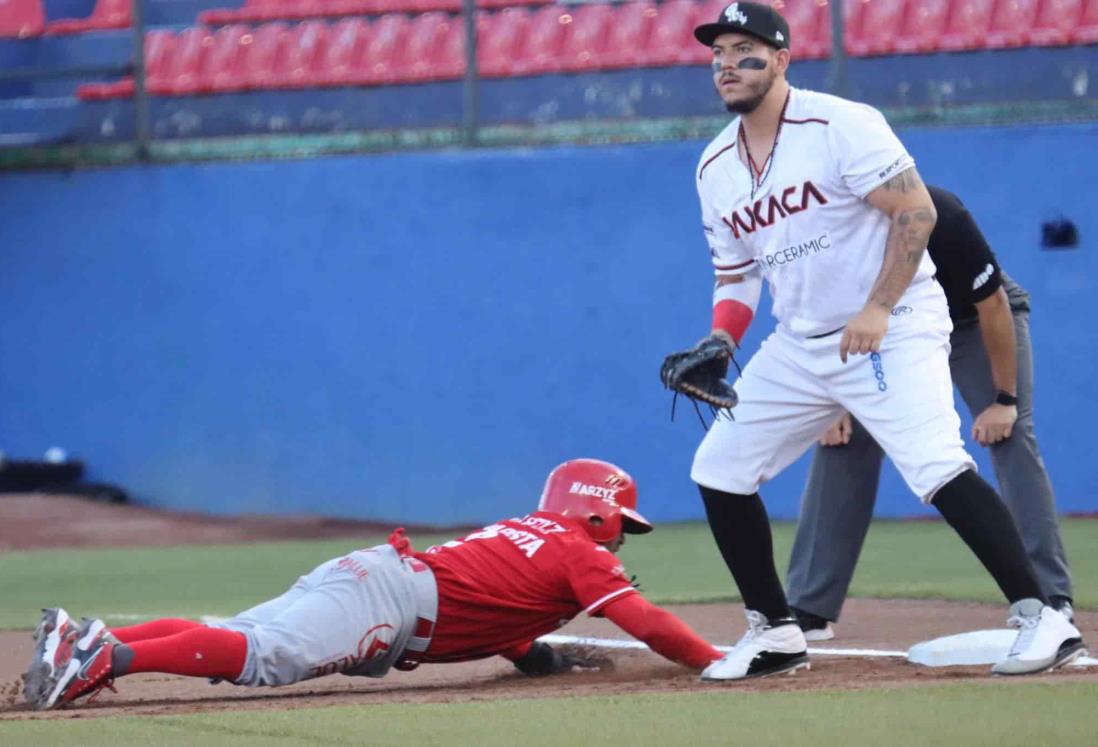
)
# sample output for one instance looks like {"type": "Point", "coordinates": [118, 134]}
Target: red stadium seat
{"type": "Point", "coordinates": [584, 47]}
{"type": "Point", "coordinates": [499, 4]}
{"type": "Point", "coordinates": [118, 89]}
{"type": "Point", "coordinates": [183, 65]}
{"type": "Point", "coordinates": [853, 15]}
{"type": "Point", "coordinates": [262, 55]}
{"type": "Point", "coordinates": [21, 18]}
{"type": "Point", "coordinates": [426, 6]}
{"type": "Point", "coordinates": [450, 61]}
{"type": "Point", "coordinates": [346, 45]}
{"type": "Point", "coordinates": [1087, 30]}
{"type": "Point", "coordinates": [107, 14]}
{"type": "Point", "coordinates": [879, 27]}
{"type": "Point", "coordinates": [808, 21]}
{"type": "Point", "coordinates": [412, 61]}
{"type": "Point", "coordinates": [541, 51]}
{"type": "Point", "coordinates": [298, 65]}
{"type": "Point", "coordinates": [1056, 20]}
{"type": "Point", "coordinates": [387, 35]}
{"type": "Point", "coordinates": [628, 35]}
{"type": "Point", "coordinates": [199, 51]}
{"type": "Point", "coordinates": [383, 6]}
{"type": "Point", "coordinates": [159, 49]}
{"type": "Point", "coordinates": [672, 34]}
{"type": "Point", "coordinates": [923, 25]}
{"type": "Point", "coordinates": [1011, 23]}
{"type": "Point", "coordinates": [968, 24]}
{"type": "Point", "coordinates": [223, 71]}
{"type": "Point", "coordinates": [499, 36]}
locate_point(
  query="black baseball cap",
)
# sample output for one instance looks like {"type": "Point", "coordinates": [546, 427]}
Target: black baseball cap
{"type": "Point", "coordinates": [754, 19]}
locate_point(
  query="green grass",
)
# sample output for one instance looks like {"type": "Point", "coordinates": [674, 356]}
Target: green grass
{"type": "Point", "coordinates": [1005, 714]}
{"type": "Point", "coordinates": [677, 563]}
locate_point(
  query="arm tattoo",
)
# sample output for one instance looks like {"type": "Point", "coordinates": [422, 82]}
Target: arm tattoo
{"type": "Point", "coordinates": [905, 181]}
{"type": "Point", "coordinates": [907, 239]}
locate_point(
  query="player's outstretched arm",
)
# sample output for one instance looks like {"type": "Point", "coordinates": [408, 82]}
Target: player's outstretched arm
{"type": "Point", "coordinates": [905, 200]}
{"type": "Point", "coordinates": [664, 633]}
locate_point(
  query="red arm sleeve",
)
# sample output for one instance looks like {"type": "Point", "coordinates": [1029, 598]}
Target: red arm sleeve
{"type": "Point", "coordinates": [517, 652]}
{"type": "Point", "coordinates": [664, 633]}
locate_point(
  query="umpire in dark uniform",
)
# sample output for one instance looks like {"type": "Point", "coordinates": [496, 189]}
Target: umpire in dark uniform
{"type": "Point", "coordinates": [991, 363]}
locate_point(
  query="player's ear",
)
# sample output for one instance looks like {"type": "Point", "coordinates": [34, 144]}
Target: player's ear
{"type": "Point", "coordinates": [781, 61]}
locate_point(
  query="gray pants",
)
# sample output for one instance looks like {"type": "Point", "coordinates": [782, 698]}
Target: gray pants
{"type": "Point", "coordinates": [842, 487]}
{"type": "Point", "coordinates": [358, 615]}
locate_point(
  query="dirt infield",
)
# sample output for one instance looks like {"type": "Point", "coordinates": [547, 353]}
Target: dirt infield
{"type": "Point", "coordinates": [869, 624]}
{"type": "Point", "coordinates": [29, 522]}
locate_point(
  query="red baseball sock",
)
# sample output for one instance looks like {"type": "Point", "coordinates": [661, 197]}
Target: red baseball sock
{"type": "Point", "coordinates": [199, 652]}
{"type": "Point", "coordinates": [154, 629]}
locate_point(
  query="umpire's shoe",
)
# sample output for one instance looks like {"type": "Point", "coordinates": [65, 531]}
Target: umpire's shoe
{"type": "Point", "coordinates": [1046, 639]}
{"type": "Point", "coordinates": [766, 648]}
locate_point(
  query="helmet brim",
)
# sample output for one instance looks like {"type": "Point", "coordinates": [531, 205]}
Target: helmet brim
{"type": "Point", "coordinates": [633, 523]}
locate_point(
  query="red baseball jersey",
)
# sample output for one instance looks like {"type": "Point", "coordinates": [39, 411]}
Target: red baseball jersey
{"type": "Point", "coordinates": [513, 581]}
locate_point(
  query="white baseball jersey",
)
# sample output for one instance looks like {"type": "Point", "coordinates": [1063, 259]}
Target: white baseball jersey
{"type": "Point", "coordinates": [818, 243]}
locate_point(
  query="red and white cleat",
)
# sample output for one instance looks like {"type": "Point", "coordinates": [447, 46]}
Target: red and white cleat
{"type": "Point", "coordinates": [74, 663]}
{"type": "Point", "coordinates": [54, 642]}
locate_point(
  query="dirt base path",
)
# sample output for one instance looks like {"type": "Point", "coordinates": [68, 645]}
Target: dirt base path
{"type": "Point", "coordinates": [875, 624]}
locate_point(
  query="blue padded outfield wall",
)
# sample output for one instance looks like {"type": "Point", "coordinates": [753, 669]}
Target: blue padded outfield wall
{"type": "Point", "coordinates": [421, 337]}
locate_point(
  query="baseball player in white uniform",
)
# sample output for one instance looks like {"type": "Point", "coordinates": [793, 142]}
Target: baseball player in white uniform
{"type": "Point", "coordinates": [817, 195]}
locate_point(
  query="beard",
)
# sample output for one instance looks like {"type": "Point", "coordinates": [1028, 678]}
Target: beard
{"type": "Point", "coordinates": [750, 104]}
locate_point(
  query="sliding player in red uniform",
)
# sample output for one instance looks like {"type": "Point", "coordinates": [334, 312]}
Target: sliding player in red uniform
{"type": "Point", "coordinates": [493, 592]}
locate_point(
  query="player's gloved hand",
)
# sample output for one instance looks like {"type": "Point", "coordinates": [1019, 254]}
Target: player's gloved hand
{"type": "Point", "coordinates": [542, 659]}
{"type": "Point", "coordinates": [839, 433]}
{"type": "Point", "coordinates": [863, 333]}
{"type": "Point", "coordinates": [700, 372]}
{"type": "Point", "coordinates": [994, 424]}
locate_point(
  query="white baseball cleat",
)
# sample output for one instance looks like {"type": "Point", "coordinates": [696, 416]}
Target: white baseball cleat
{"type": "Point", "coordinates": [826, 633]}
{"type": "Point", "coordinates": [764, 650]}
{"type": "Point", "coordinates": [1046, 640]}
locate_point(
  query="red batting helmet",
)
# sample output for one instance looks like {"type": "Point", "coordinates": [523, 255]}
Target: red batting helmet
{"type": "Point", "coordinates": [599, 495]}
